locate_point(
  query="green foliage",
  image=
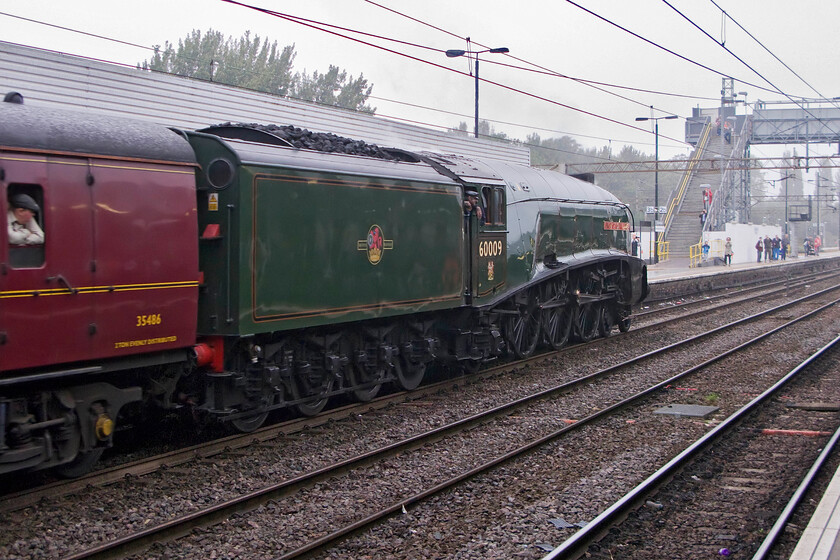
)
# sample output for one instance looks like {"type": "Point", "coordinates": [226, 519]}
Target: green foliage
{"type": "Point", "coordinates": [485, 130]}
{"type": "Point", "coordinates": [334, 88]}
{"type": "Point", "coordinates": [257, 64]}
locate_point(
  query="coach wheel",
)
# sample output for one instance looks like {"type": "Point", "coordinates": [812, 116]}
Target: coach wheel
{"type": "Point", "coordinates": [588, 321]}
{"type": "Point", "coordinates": [366, 380]}
{"type": "Point", "coordinates": [522, 329]}
{"type": "Point", "coordinates": [409, 375]}
{"type": "Point", "coordinates": [81, 464]}
{"type": "Point", "coordinates": [314, 390]}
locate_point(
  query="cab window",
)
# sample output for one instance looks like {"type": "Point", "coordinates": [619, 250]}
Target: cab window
{"type": "Point", "coordinates": [25, 225]}
{"type": "Point", "coordinates": [493, 199]}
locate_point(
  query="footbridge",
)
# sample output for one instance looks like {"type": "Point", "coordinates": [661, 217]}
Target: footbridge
{"type": "Point", "coordinates": [721, 163]}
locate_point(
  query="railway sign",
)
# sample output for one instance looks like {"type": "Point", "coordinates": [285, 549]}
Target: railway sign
{"type": "Point", "coordinates": [617, 226]}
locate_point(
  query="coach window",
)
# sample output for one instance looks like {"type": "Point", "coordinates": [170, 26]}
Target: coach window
{"type": "Point", "coordinates": [493, 199]}
{"type": "Point", "coordinates": [25, 221]}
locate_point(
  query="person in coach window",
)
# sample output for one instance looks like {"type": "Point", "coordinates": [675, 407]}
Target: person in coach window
{"type": "Point", "coordinates": [23, 227]}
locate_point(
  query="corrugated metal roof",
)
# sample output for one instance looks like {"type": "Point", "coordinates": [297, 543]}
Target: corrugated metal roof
{"type": "Point", "coordinates": [55, 79]}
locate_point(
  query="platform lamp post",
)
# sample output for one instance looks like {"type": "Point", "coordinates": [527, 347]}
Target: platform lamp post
{"type": "Point", "coordinates": [453, 53]}
{"type": "Point", "coordinates": [656, 181]}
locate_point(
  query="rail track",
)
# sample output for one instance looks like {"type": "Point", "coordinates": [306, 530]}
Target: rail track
{"type": "Point", "coordinates": [204, 451]}
{"type": "Point", "coordinates": [507, 417]}
{"type": "Point", "coordinates": [673, 305]}
{"type": "Point", "coordinates": [734, 490]}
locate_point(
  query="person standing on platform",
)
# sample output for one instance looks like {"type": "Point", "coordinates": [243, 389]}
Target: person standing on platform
{"type": "Point", "coordinates": [817, 245]}
{"type": "Point", "coordinates": [727, 252]}
{"type": "Point", "coordinates": [634, 246]}
{"type": "Point", "coordinates": [759, 248]}
{"type": "Point", "coordinates": [702, 219]}
{"type": "Point", "coordinates": [768, 247]}
{"type": "Point", "coordinates": [785, 245]}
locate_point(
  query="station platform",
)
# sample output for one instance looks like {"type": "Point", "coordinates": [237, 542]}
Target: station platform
{"type": "Point", "coordinates": [821, 538]}
{"type": "Point", "coordinates": [678, 268]}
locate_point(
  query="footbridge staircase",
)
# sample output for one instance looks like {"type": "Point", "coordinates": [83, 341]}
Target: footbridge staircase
{"type": "Point", "coordinates": [708, 168]}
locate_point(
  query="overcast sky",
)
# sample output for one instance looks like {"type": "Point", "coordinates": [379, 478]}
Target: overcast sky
{"type": "Point", "coordinates": [554, 34]}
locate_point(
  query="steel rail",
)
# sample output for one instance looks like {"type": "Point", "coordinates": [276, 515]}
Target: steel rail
{"type": "Point", "coordinates": [382, 514]}
{"type": "Point", "coordinates": [577, 544]}
{"type": "Point", "coordinates": [786, 285]}
{"type": "Point", "coordinates": [132, 544]}
{"type": "Point", "coordinates": [780, 524]}
{"type": "Point", "coordinates": [140, 467]}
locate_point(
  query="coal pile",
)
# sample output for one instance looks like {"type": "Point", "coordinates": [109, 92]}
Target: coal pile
{"type": "Point", "coordinates": [318, 141]}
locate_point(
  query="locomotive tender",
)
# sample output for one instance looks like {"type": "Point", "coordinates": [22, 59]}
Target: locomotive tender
{"type": "Point", "coordinates": [231, 273]}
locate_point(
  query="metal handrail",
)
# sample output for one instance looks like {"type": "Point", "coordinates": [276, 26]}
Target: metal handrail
{"type": "Point", "coordinates": [716, 215]}
{"type": "Point", "coordinates": [664, 250]}
{"type": "Point", "coordinates": [679, 193]}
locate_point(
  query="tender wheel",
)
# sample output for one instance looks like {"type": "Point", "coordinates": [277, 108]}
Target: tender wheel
{"type": "Point", "coordinates": [315, 388]}
{"type": "Point", "coordinates": [367, 381]}
{"type": "Point", "coordinates": [81, 465]}
{"type": "Point", "coordinates": [624, 325]}
{"type": "Point", "coordinates": [522, 330]}
{"type": "Point", "coordinates": [409, 375]}
{"type": "Point", "coordinates": [247, 424]}
{"type": "Point", "coordinates": [470, 366]}
{"type": "Point", "coordinates": [588, 321]}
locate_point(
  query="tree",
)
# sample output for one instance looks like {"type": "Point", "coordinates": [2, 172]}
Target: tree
{"type": "Point", "coordinates": [257, 64]}
{"type": "Point", "coordinates": [485, 130]}
{"type": "Point", "coordinates": [334, 88]}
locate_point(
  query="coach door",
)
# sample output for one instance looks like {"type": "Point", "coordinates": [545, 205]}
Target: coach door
{"type": "Point", "coordinates": [46, 315]}
{"type": "Point", "coordinates": [490, 270]}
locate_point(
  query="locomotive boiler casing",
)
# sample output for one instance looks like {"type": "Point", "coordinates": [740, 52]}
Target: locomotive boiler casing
{"type": "Point", "coordinates": [551, 223]}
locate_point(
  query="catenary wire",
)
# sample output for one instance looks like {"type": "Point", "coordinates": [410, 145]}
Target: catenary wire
{"type": "Point", "coordinates": [156, 49]}
{"type": "Point", "coordinates": [754, 38]}
{"type": "Point", "coordinates": [745, 63]}
{"type": "Point", "coordinates": [430, 63]}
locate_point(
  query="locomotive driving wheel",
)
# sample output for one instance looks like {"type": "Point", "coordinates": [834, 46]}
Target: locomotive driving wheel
{"type": "Point", "coordinates": [82, 464]}
{"type": "Point", "coordinates": [522, 328]}
{"type": "Point", "coordinates": [557, 314]}
{"type": "Point", "coordinates": [607, 323]}
{"type": "Point", "coordinates": [410, 367]}
{"type": "Point", "coordinates": [588, 322]}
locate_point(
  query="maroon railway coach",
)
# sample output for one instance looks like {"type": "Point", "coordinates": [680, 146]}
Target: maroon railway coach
{"type": "Point", "coordinates": [114, 286]}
